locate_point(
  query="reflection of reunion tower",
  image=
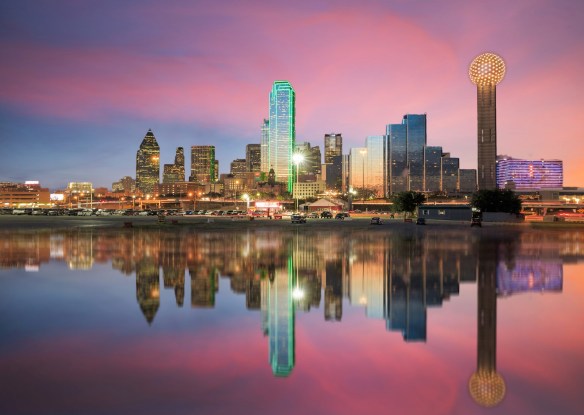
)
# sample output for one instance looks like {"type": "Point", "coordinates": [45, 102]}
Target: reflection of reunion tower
{"type": "Point", "coordinates": [486, 71]}
{"type": "Point", "coordinates": [486, 386]}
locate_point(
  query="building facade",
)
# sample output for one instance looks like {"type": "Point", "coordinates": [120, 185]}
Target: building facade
{"type": "Point", "coordinates": [529, 174]}
{"type": "Point", "coordinates": [333, 146]}
{"type": "Point", "coordinates": [282, 132]}
{"type": "Point", "coordinates": [416, 140]}
{"type": "Point", "coordinates": [253, 157]}
{"type": "Point", "coordinates": [397, 158]}
{"type": "Point", "coordinates": [375, 168]}
{"type": "Point", "coordinates": [203, 164]}
{"type": "Point", "coordinates": [238, 167]}
{"type": "Point", "coordinates": [148, 164]}
{"type": "Point", "coordinates": [23, 195]}
{"type": "Point", "coordinates": [432, 168]}
{"type": "Point", "coordinates": [467, 180]}
{"type": "Point", "coordinates": [450, 167]}
{"type": "Point", "coordinates": [175, 172]}
{"type": "Point", "coordinates": [312, 164]}
{"type": "Point", "coordinates": [264, 144]}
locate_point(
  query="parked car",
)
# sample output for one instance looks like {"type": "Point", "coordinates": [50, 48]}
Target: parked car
{"type": "Point", "coordinates": [296, 218]}
{"type": "Point", "coordinates": [326, 214]}
{"type": "Point", "coordinates": [376, 220]}
{"type": "Point", "coordinates": [313, 215]}
{"type": "Point", "coordinates": [476, 222]}
{"type": "Point", "coordinates": [421, 221]}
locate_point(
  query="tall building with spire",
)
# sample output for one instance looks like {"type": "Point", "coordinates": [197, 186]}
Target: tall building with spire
{"type": "Point", "coordinates": [282, 132]}
{"type": "Point", "coordinates": [148, 164]}
{"type": "Point", "coordinates": [486, 71]}
{"type": "Point", "coordinates": [175, 172]}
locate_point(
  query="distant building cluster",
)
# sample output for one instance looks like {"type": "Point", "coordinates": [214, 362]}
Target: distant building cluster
{"type": "Point", "coordinates": [279, 165]}
{"type": "Point", "coordinates": [400, 160]}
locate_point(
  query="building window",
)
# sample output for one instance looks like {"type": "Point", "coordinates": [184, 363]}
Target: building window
{"type": "Point", "coordinates": [441, 212]}
{"type": "Point", "coordinates": [425, 212]}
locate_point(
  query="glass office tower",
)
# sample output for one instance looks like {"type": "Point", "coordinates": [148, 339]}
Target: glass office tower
{"type": "Point", "coordinates": [432, 168]}
{"type": "Point", "coordinates": [282, 132]}
{"type": "Point", "coordinates": [416, 140]}
{"type": "Point", "coordinates": [450, 166]}
{"type": "Point", "coordinates": [376, 168]}
{"type": "Point", "coordinates": [265, 139]}
{"type": "Point", "coordinates": [397, 158]}
{"type": "Point", "coordinates": [148, 164]}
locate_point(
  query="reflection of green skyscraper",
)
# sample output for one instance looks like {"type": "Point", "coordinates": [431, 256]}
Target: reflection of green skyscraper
{"type": "Point", "coordinates": [281, 321]}
{"type": "Point", "coordinates": [282, 131]}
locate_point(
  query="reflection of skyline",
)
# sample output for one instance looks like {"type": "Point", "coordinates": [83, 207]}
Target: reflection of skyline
{"type": "Point", "coordinates": [393, 276]}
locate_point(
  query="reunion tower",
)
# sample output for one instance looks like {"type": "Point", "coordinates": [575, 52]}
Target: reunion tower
{"type": "Point", "coordinates": [486, 71]}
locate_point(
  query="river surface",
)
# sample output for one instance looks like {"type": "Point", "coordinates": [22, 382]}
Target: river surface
{"type": "Point", "coordinates": [418, 320]}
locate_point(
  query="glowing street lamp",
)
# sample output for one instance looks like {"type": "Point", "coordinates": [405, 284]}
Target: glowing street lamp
{"type": "Point", "coordinates": [297, 159]}
{"type": "Point", "coordinates": [245, 197]}
{"type": "Point", "coordinates": [363, 154]}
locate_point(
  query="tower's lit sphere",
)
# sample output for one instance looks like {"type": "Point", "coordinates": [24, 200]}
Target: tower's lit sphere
{"type": "Point", "coordinates": [487, 69]}
{"type": "Point", "coordinates": [487, 388]}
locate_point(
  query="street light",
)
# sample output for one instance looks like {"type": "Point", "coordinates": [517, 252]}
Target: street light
{"type": "Point", "coordinates": [363, 153]}
{"type": "Point", "coordinates": [245, 197]}
{"type": "Point", "coordinates": [297, 158]}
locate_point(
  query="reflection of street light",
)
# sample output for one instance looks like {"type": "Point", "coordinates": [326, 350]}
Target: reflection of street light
{"type": "Point", "coordinates": [297, 158]}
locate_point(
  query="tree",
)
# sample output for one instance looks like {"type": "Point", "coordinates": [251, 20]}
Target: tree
{"type": "Point", "coordinates": [407, 201]}
{"type": "Point", "coordinates": [497, 200]}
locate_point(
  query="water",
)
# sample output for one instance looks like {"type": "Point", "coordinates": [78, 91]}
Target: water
{"type": "Point", "coordinates": [436, 320]}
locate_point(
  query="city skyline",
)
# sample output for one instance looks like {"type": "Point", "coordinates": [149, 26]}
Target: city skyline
{"type": "Point", "coordinates": [80, 85]}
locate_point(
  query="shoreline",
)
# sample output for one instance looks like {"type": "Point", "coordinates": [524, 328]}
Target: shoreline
{"type": "Point", "coordinates": [207, 223]}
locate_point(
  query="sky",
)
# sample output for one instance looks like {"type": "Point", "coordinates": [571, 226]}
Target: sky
{"type": "Point", "coordinates": [81, 82]}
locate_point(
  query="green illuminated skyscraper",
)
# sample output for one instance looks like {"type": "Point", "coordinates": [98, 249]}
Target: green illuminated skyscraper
{"type": "Point", "coordinates": [282, 135]}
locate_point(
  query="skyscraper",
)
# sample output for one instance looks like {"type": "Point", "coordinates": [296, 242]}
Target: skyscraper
{"type": "Point", "coordinates": [333, 146]}
{"type": "Point", "coordinates": [312, 163]}
{"type": "Point", "coordinates": [486, 71]}
{"type": "Point", "coordinates": [238, 167]}
{"type": "Point", "coordinates": [432, 168]}
{"type": "Point", "coordinates": [416, 139]}
{"type": "Point", "coordinates": [376, 175]}
{"type": "Point", "coordinates": [282, 132]}
{"type": "Point", "coordinates": [203, 164]}
{"type": "Point", "coordinates": [253, 157]}
{"type": "Point", "coordinates": [148, 164]}
{"type": "Point", "coordinates": [450, 167]}
{"type": "Point", "coordinates": [397, 158]}
{"type": "Point", "coordinates": [175, 172]}
{"type": "Point", "coordinates": [264, 144]}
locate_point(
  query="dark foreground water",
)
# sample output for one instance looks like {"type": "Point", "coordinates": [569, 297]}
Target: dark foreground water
{"type": "Point", "coordinates": [413, 321]}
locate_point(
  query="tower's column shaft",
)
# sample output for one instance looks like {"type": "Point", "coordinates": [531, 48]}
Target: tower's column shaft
{"type": "Point", "coordinates": [487, 136]}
